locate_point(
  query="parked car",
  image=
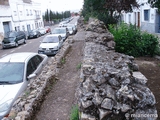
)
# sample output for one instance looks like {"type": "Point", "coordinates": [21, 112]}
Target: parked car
{"type": "Point", "coordinates": [13, 39]}
{"type": "Point", "coordinates": [74, 27]}
{"type": "Point", "coordinates": [71, 31]}
{"type": "Point", "coordinates": [34, 34]}
{"type": "Point", "coordinates": [61, 24]}
{"type": "Point", "coordinates": [50, 44]}
{"type": "Point", "coordinates": [48, 29]}
{"type": "Point", "coordinates": [17, 70]}
{"type": "Point", "coordinates": [62, 31]}
{"type": "Point", "coordinates": [42, 31]}
{"type": "Point", "coordinates": [76, 24]}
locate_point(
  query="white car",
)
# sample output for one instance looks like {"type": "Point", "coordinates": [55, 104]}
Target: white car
{"type": "Point", "coordinates": [16, 71]}
{"type": "Point", "coordinates": [73, 26]}
{"type": "Point", "coordinates": [71, 31]}
{"type": "Point", "coordinates": [61, 24]}
{"type": "Point", "coordinates": [42, 31]}
{"type": "Point", "coordinates": [62, 31]}
{"type": "Point", "coordinates": [50, 44]}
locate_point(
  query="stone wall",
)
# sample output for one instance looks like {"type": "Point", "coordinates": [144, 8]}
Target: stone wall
{"type": "Point", "coordinates": [111, 86]}
{"type": "Point", "coordinates": [29, 102]}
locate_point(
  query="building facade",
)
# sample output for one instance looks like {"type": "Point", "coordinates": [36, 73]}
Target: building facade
{"type": "Point", "coordinates": [145, 17]}
{"type": "Point", "coordinates": [15, 15]}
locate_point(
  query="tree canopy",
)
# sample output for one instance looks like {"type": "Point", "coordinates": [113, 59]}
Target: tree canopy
{"type": "Point", "coordinates": [107, 9]}
{"type": "Point", "coordinates": [155, 4]}
{"type": "Point", "coordinates": [51, 16]}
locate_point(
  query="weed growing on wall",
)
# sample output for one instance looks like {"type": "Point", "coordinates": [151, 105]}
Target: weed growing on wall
{"type": "Point", "coordinates": [74, 113]}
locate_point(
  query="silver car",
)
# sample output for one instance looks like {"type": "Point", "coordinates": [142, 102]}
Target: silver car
{"type": "Point", "coordinates": [62, 31]}
{"type": "Point", "coordinates": [50, 44]}
{"type": "Point", "coordinates": [16, 70]}
{"type": "Point", "coordinates": [74, 28]}
{"type": "Point", "coordinates": [42, 31]}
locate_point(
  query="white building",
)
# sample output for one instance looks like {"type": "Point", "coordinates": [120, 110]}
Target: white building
{"type": "Point", "coordinates": [23, 15]}
{"type": "Point", "coordinates": [5, 17]}
{"type": "Point", "coordinates": [145, 17]}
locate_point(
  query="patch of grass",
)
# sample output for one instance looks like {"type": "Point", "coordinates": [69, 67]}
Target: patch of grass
{"type": "Point", "coordinates": [49, 88]}
{"type": "Point", "coordinates": [74, 113]}
{"type": "Point", "coordinates": [79, 66]}
{"type": "Point", "coordinates": [27, 93]}
{"type": "Point", "coordinates": [63, 60]}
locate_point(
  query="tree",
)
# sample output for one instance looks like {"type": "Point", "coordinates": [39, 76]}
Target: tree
{"type": "Point", "coordinates": [155, 4]}
{"type": "Point", "coordinates": [51, 16]}
{"type": "Point", "coordinates": [46, 16]}
{"type": "Point", "coordinates": [120, 5]}
{"type": "Point", "coordinates": [107, 9]}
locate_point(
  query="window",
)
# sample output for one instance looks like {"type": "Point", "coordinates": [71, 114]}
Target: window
{"type": "Point", "coordinates": [129, 17]}
{"type": "Point", "coordinates": [17, 28]}
{"type": "Point", "coordinates": [146, 15]}
{"type": "Point", "coordinates": [33, 64]}
{"type": "Point", "coordinates": [21, 13]}
{"type": "Point", "coordinates": [30, 12]}
{"type": "Point", "coordinates": [37, 60]}
{"type": "Point", "coordinates": [23, 28]}
{"type": "Point", "coordinates": [27, 12]}
{"type": "Point", "coordinates": [15, 13]}
{"type": "Point", "coordinates": [11, 72]}
{"type": "Point", "coordinates": [30, 68]}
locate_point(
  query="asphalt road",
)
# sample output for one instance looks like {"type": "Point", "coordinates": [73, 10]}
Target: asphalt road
{"type": "Point", "coordinates": [31, 45]}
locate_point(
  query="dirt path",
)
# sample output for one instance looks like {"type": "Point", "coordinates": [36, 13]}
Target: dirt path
{"type": "Point", "coordinates": [61, 98]}
{"type": "Point", "coordinates": [150, 67]}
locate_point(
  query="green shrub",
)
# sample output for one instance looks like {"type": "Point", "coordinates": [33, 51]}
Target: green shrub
{"type": "Point", "coordinates": [74, 113]}
{"type": "Point", "coordinates": [131, 41]}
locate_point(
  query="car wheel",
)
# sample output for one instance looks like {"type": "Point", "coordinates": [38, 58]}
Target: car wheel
{"type": "Point", "coordinates": [24, 41]}
{"type": "Point", "coordinates": [3, 47]}
{"type": "Point", "coordinates": [37, 36]}
{"type": "Point", "coordinates": [26, 37]}
{"type": "Point", "coordinates": [16, 44]}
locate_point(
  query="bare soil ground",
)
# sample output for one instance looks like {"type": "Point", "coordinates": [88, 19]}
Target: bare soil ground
{"type": "Point", "coordinates": [59, 101]}
{"type": "Point", "coordinates": [150, 68]}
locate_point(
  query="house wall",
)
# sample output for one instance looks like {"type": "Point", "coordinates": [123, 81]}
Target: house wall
{"type": "Point", "coordinates": [131, 17]}
{"type": "Point", "coordinates": [19, 14]}
{"type": "Point", "coordinates": [5, 16]}
{"type": "Point", "coordinates": [26, 14]}
{"type": "Point", "coordinates": [152, 25]}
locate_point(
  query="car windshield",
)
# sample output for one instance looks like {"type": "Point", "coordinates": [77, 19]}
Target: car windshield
{"type": "Point", "coordinates": [50, 39]}
{"type": "Point", "coordinates": [12, 34]}
{"type": "Point", "coordinates": [69, 28]}
{"type": "Point", "coordinates": [40, 29]}
{"type": "Point", "coordinates": [32, 31]}
{"type": "Point", "coordinates": [59, 31]}
{"type": "Point", "coordinates": [11, 73]}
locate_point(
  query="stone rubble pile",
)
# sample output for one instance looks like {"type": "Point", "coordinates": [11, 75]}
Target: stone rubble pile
{"type": "Point", "coordinates": [30, 101]}
{"type": "Point", "coordinates": [111, 86]}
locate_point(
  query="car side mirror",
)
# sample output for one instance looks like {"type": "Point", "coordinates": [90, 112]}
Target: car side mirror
{"type": "Point", "coordinates": [31, 76]}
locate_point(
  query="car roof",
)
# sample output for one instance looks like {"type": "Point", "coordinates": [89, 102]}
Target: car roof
{"type": "Point", "coordinates": [52, 35]}
{"type": "Point", "coordinates": [17, 57]}
{"type": "Point", "coordinates": [60, 28]}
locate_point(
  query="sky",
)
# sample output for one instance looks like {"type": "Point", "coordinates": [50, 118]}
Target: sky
{"type": "Point", "coordinates": [61, 5]}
